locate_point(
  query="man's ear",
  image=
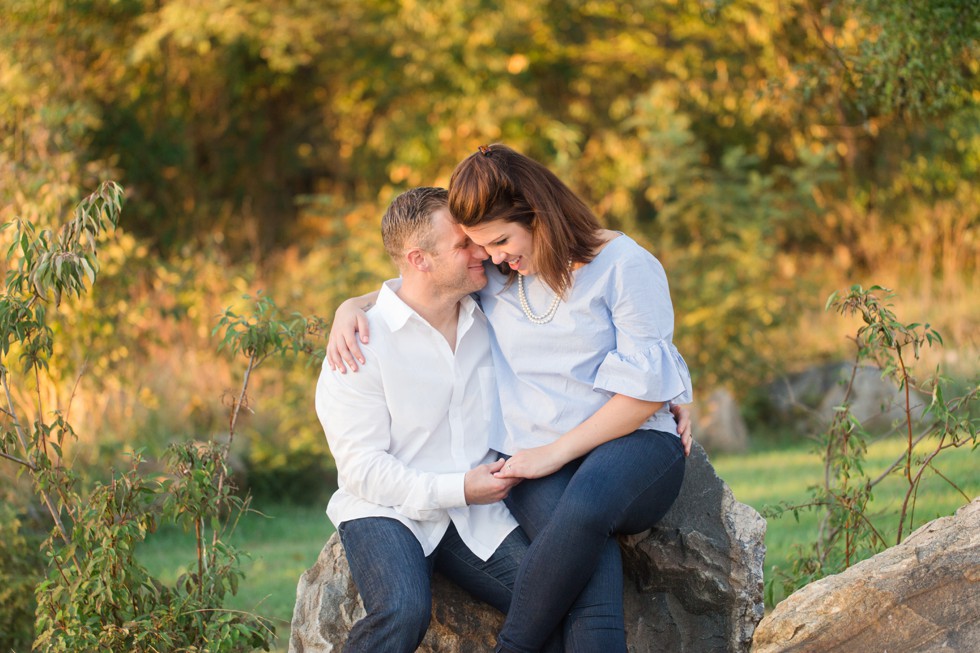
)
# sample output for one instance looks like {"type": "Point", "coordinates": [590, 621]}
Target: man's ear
{"type": "Point", "coordinates": [416, 258]}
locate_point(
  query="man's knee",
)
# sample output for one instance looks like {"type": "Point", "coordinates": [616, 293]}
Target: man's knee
{"type": "Point", "coordinates": [412, 615]}
{"type": "Point", "coordinates": [399, 624]}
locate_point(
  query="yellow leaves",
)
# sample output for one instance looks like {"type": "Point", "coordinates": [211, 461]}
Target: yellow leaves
{"type": "Point", "coordinates": [399, 173]}
{"type": "Point", "coordinates": [517, 63]}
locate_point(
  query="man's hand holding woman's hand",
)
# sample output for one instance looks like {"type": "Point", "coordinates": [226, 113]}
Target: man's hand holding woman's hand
{"type": "Point", "coordinates": [482, 485]}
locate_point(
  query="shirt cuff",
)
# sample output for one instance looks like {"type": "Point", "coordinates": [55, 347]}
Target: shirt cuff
{"type": "Point", "coordinates": [450, 490]}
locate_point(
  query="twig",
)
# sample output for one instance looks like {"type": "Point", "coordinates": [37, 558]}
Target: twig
{"type": "Point", "coordinates": [951, 483]}
{"type": "Point", "coordinates": [74, 389]}
{"type": "Point", "coordinates": [15, 459]}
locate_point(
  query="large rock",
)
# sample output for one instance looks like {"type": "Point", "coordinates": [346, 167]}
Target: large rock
{"type": "Point", "coordinates": [920, 596]}
{"type": "Point", "coordinates": [806, 401]}
{"type": "Point", "coordinates": [694, 584]}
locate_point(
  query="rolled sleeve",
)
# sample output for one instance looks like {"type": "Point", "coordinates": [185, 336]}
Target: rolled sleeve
{"type": "Point", "coordinates": [656, 374]}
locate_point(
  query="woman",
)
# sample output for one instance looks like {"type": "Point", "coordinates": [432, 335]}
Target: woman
{"type": "Point", "coordinates": [585, 367]}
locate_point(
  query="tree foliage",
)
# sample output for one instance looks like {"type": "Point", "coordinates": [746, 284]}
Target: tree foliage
{"type": "Point", "coordinates": [744, 139]}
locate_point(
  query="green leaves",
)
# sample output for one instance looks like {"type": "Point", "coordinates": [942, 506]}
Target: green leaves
{"type": "Point", "coordinates": [265, 332]}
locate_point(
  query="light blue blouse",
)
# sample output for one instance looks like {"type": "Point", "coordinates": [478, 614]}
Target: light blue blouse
{"type": "Point", "coordinates": [611, 335]}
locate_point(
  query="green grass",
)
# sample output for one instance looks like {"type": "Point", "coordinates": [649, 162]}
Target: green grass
{"type": "Point", "coordinates": [282, 545]}
{"type": "Point", "coordinates": [768, 477]}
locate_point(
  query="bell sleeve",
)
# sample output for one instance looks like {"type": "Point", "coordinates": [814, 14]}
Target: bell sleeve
{"type": "Point", "coordinates": [645, 364]}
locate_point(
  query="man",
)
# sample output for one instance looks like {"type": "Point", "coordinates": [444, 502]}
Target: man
{"type": "Point", "coordinates": [410, 436]}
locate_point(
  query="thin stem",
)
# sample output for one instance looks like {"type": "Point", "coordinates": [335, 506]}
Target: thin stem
{"type": "Point", "coordinates": [241, 399]}
{"type": "Point", "coordinates": [40, 411]}
{"type": "Point", "coordinates": [232, 421]}
{"type": "Point", "coordinates": [74, 389]}
{"type": "Point", "coordinates": [862, 517]}
{"type": "Point", "coordinates": [914, 485]}
{"type": "Point", "coordinates": [908, 412]}
{"type": "Point", "coordinates": [950, 482]}
{"type": "Point", "coordinates": [200, 556]}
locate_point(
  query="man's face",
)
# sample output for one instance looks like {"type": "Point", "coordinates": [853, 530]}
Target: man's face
{"type": "Point", "coordinates": [456, 261]}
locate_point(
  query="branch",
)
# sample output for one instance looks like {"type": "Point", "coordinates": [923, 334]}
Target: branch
{"type": "Point", "coordinates": [25, 463]}
{"type": "Point", "coordinates": [951, 483]}
{"type": "Point", "coordinates": [74, 388]}
{"type": "Point", "coordinates": [864, 518]}
{"type": "Point", "coordinates": [241, 399]}
{"type": "Point", "coordinates": [837, 419]}
{"type": "Point", "coordinates": [908, 418]}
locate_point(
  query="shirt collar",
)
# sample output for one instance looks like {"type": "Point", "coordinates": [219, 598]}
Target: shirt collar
{"type": "Point", "coordinates": [396, 313]}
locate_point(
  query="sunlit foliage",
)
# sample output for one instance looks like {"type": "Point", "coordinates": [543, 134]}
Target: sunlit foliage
{"type": "Point", "coordinates": [751, 144]}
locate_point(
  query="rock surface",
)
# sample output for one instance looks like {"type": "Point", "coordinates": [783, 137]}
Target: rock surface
{"type": "Point", "coordinates": [920, 596]}
{"type": "Point", "coordinates": [693, 584]}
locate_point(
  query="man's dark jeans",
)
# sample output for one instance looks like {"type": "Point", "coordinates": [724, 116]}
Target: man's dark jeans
{"type": "Point", "coordinates": [394, 579]}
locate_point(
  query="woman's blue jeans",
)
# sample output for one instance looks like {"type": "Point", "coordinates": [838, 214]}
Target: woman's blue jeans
{"type": "Point", "coordinates": [394, 579]}
{"type": "Point", "coordinates": [573, 570]}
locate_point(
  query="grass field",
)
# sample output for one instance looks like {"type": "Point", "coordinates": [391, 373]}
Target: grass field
{"type": "Point", "coordinates": [287, 541]}
{"type": "Point", "coordinates": [767, 477]}
{"type": "Point", "coordinates": [282, 545]}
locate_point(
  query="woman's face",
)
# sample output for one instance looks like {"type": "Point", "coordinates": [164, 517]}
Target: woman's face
{"type": "Point", "coordinates": [510, 243]}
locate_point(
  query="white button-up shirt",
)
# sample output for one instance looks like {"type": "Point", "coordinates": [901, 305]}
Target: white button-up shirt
{"type": "Point", "coordinates": [407, 426]}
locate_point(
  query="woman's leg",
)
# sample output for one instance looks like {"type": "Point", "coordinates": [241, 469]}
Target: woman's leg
{"type": "Point", "coordinates": [625, 485]}
{"type": "Point", "coordinates": [596, 620]}
{"type": "Point", "coordinates": [491, 580]}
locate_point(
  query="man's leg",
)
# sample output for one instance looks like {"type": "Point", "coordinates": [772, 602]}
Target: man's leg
{"type": "Point", "coordinates": [491, 580]}
{"type": "Point", "coordinates": [393, 578]}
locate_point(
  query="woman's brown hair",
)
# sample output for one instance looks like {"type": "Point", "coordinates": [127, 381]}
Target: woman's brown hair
{"type": "Point", "coordinates": [498, 183]}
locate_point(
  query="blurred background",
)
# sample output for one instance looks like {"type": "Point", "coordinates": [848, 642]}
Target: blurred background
{"type": "Point", "coordinates": [768, 152]}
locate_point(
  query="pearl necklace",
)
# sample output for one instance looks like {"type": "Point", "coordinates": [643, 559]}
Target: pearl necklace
{"type": "Point", "coordinates": [526, 307]}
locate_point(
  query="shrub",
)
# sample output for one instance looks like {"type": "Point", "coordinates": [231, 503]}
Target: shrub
{"type": "Point", "coordinates": [849, 530]}
{"type": "Point", "coordinates": [96, 596]}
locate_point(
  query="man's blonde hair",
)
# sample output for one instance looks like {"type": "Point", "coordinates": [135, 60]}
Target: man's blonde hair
{"type": "Point", "coordinates": [408, 220]}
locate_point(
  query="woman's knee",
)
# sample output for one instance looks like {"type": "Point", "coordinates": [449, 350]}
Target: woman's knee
{"type": "Point", "coordinates": [585, 514]}
{"type": "Point", "coordinates": [650, 506]}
